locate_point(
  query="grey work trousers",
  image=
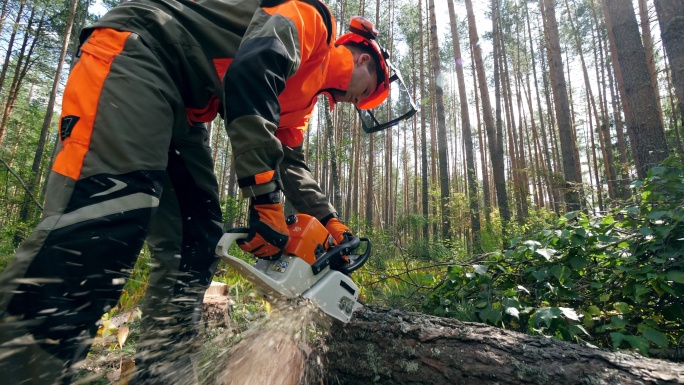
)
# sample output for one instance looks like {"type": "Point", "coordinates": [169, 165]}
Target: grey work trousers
{"type": "Point", "coordinates": [128, 167]}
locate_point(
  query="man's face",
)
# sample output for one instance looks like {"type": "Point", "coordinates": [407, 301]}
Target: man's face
{"type": "Point", "coordinates": [363, 81]}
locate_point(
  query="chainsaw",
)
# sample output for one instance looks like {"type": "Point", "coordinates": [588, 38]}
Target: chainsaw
{"type": "Point", "coordinates": [313, 266]}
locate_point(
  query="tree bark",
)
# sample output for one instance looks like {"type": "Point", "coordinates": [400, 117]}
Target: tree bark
{"type": "Point", "coordinates": [646, 129]}
{"type": "Point", "coordinates": [467, 133]}
{"type": "Point", "coordinates": [10, 43]}
{"type": "Point", "coordinates": [647, 39]}
{"type": "Point", "coordinates": [442, 142]}
{"type": "Point", "coordinates": [600, 122]}
{"type": "Point", "coordinates": [481, 145]}
{"type": "Point", "coordinates": [423, 131]}
{"type": "Point", "coordinates": [497, 145]}
{"type": "Point", "coordinates": [336, 191]}
{"type": "Point", "coordinates": [383, 346]}
{"type": "Point", "coordinates": [671, 19]}
{"type": "Point", "coordinates": [547, 155]}
{"type": "Point", "coordinates": [24, 213]}
{"type": "Point", "coordinates": [562, 106]}
{"type": "Point", "coordinates": [495, 148]}
{"type": "Point", "coordinates": [6, 66]}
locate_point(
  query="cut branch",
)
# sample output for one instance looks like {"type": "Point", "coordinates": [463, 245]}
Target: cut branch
{"type": "Point", "coordinates": [23, 185]}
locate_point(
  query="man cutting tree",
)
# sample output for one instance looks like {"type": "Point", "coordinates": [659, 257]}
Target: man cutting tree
{"type": "Point", "coordinates": [133, 164]}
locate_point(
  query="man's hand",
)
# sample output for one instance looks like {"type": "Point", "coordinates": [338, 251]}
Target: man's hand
{"type": "Point", "coordinates": [268, 233]}
{"type": "Point", "coordinates": [336, 228]}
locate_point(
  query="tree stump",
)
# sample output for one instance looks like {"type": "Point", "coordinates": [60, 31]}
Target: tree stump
{"type": "Point", "coordinates": [216, 306]}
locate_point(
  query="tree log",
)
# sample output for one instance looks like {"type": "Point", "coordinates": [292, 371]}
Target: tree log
{"type": "Point", "coordinates": [383, 346]}
{"type": "Point", "coordinates": [388, 346]}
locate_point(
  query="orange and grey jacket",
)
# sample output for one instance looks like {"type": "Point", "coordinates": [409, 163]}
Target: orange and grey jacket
{"type": "Point", "coordinates": [264, 61]}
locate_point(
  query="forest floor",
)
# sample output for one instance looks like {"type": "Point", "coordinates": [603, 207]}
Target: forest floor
{"type": "Point", "coordinates": [248, 340]}
{"type": "Point", "coordinates": [107, 356]}
{"type": "Point", "coordinates": [113, 350]}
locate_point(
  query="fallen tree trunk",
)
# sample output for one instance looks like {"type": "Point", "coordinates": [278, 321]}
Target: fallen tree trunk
{"type": "Point", "coordinates": [383, 346]}
{"type": "Point", "coordinates": [387, 346]}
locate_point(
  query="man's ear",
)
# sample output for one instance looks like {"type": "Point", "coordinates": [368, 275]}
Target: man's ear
{"type": "Point", "coordinates": [364, 58]}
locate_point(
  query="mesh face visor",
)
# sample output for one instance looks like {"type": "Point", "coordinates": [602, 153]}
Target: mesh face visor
{"type": "Point", "coordinates": [399, 107]}
{"type": "Point", "coordinates": [374, 113]}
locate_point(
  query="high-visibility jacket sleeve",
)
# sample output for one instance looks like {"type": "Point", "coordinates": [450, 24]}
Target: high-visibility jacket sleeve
{"type": "Point", "coordinates": [278, 40]}
{"type": "Point", "coordinates": [299, 186]}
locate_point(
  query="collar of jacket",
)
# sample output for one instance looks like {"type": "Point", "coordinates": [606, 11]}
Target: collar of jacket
{"type": "Point", "coordinates": [340, 68]}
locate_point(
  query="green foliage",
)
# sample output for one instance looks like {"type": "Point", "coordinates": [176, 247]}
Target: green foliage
{"type": "Point", "coordinates": [233, 210]}
{"type": "Point", "coordinates": [134, 289]}
{"type": "Point", "coordinates": [613, 281]}
{"type": "Point", "coordinates": [248, 306]}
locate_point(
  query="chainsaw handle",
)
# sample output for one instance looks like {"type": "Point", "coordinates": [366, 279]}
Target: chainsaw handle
{"type": "Point", "coordinates": [238, 234]}
{"type": "Point", "coordinates": [230, 236]}
{"type": "Point", "coordinates": [335, 254]}
{"type": "Point", "coordinates": [356, 260]}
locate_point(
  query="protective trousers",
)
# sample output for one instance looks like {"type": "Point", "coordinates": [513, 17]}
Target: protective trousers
{"type": "Point", "coordinates": [128, 166]}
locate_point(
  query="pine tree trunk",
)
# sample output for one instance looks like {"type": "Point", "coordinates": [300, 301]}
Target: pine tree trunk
{"type": "Point", "coordinates": [369, 180]}
{"type": "Point", "coordinates": [606, 142]}
{"type": "Point", "coordinates": [3, 14]}
{"type": "Point", "coordinates": [617, 115]}
{"type": "Point", "coordinates": [481, 145]}
{"type": "Point", "coordinates": [674, 116]}
{"type": "Point", "coordinates": [647, 39]}
{"type": "Point", "coordinates": [10, 44]}
{"type": "Point", "coordinates": [332, 153]}
{"type": "Point", "coordinates": [646, 130]}
{"type": "Point", "coordinates": [442, 142]}
{"type": "Point", "coordinates": [592, 109]}
{"type": "Point", "coordinates": [671, 19]}
{"type": "Point", "coordinates": [467, 133]}
{"type": "Point", "coordinates": [557, 176]}
{"type": "Point", "coordinates": [416, 175]}
{"type": "Point", "coordinates": [547, 155]}
{"type": "Point", "coordinates": [6, 66]}
{"type": "Point", "coordinates": [562, 107]}
{"type": "Point", "coordinates": [423, 131]}
{"type": "Point", "coordinates": [47, 120]}
{"type": "Point", "coordinates": [495, 144]}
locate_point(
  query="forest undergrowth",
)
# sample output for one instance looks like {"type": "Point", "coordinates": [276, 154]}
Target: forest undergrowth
{"type": "Point", "coordinates": [612, 281]}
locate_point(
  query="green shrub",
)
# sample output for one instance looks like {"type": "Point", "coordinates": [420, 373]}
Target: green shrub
{"type": "Point", "coordinates": [613, 281]}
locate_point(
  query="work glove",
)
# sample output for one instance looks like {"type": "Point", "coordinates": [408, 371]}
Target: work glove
{"type": "Point", "coordinates": [268, 233]}
{"type": "Point", "coordinates": [336, 228]}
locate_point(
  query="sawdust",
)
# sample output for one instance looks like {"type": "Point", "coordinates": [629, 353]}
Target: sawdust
{"type": "Point", "coordinates": [276, 351]}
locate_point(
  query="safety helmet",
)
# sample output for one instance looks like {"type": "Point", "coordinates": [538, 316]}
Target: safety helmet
{"type": "Point", "coordinates": [363, 33]}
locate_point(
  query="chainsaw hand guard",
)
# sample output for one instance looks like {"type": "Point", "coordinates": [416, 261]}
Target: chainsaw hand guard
{"type": "Point", "coordinates": [335, 257]}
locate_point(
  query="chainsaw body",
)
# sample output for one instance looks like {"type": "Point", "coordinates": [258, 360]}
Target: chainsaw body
{"type": "Point", "coordinates": [313, 267]}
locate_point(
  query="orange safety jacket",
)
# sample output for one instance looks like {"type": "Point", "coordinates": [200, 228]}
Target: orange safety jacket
{"type": "Point", "coordinates": [264, 61]}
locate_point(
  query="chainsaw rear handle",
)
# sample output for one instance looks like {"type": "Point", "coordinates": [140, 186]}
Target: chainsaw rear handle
{"type": "Point", "coordinates": [334, 257]}
{"type": "Point", "coordinates": [240, 233]}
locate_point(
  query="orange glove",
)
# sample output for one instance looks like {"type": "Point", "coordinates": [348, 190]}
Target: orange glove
{"type": "Point", "coordinates": [268, 233]}
{"type": "Point", "coordinates": [336, 227]}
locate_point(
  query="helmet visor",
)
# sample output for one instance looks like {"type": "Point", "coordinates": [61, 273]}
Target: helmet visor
{"type": "Point", "coordinates": [400, 107]}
